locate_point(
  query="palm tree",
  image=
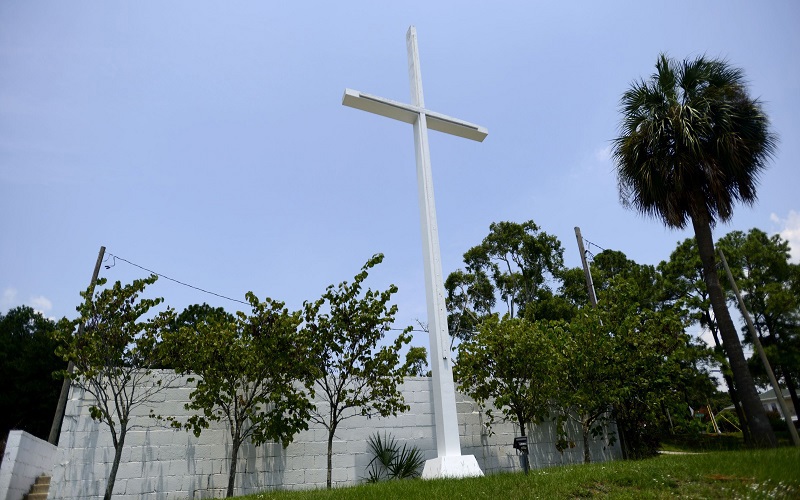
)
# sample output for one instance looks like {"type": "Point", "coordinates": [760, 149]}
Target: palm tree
{"type": "Point", "coordinates": [692, 143]}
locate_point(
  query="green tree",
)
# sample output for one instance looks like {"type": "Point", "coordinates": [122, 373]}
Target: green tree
{"type": "Point", "coordinates": [192, 317]}
{"type": "Point", "coordinates": [627, 361]}
{"type": "Point", "coordinates": [508, 365]}
{"type": "Point", "coordinates": [692, 144]}
{"type": "Point", "coordinates": [114, 357]}
{"type": "Point", "coordinates": [470, 297]}
{"type": "Point", "coordinates": [584, 374]}
{"type": "Point", "coordinates": [27, 363]}
{"type": "Point", "coordinates": [609, 264]}
{"type": "Point", "coordinates": [355, 376]}
{"type": "Point", "coordinates": [253, 372]}
{"type": "Point", "coordinates": [765, 275]}
{"type": "Point", "coordinates": [520, 264]}
{"type": "Point", "coordinates": [416, 364]}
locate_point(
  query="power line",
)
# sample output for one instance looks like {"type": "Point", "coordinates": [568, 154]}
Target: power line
{"type": "Point", "coordinates": [172, 279]}
{"type": "Point", "coordinates": [114, 262]}
{"type": "Point", "coordinates": [594, 244]}
{"type": "Point", "coordinates": [590, 244]}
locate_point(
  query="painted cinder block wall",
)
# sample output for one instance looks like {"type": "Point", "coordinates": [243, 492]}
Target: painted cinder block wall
{"type": "Point", "coordinates": [161, 463]}
{"type": "Point", "coordinates": [24, 458]}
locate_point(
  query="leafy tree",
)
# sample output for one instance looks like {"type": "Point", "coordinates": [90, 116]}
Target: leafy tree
{"type": "Point", "coordinates": [765, 277]}
{"type": "Point", "coordinates": [192, 318]}
{"type": "Point", "coordinates": [508, 364]}
{"type": "Point", "coordinates": [27, 363]}
{"type": "Point", "coordinates": [355, 376]}
{"type": "Point", "coordinates": [627, 361]}
{"type": "Point", "coordinates": [519, 263]}
{"type": "Point", "coordinates": [114, 356]}
{"type": "Point", "coordinates": [197, 314]}
{"type": "Point", "coordinates": [416, 364]}
{"type": "Point", "coordinates": [251, 373]}
{"type": "Point", "coordinates": [693, 143]}
{"type": "Point", "coordinates": [470, 297]}
{"type": "Point", "coordinates": [573, 290]}
{"type": "Point", "coordinates": [610, 264]}
{"type": "Point", "coordinates": [585, 375]}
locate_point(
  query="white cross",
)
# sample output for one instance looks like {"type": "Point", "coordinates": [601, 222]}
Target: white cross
{"type": "Point", "coordinates": [450, 462]}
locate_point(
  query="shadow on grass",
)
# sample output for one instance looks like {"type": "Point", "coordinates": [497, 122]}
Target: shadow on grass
{"type": "Point", "coordinates": [704, 442]}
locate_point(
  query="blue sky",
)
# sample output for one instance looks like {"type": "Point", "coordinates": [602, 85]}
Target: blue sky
{"type": "Point", "coordinates": [207, 140]}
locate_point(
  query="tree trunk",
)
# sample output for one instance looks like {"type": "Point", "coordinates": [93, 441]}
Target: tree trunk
{"type": "Point", "coordinates": [623, 439]}
{"type": "Point", "coordinates": [331, 432]}
{"type": "Point", "coordinates": [587, 458]}
{"type": "Point", "coordinates": [760, 430]}
{"type": "Point", "coordinates": [232, 471]}
{"type": "Point", "coordinates": [112, 477]}
{"type": "Point", "coordinates": [731, 388]}
{"type": "Point", "coordinates": [737, 407]}
{"type": "Point", "coordinates": [787, 377]}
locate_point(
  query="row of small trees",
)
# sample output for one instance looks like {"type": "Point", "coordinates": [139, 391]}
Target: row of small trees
{"type": "Point", "coordinates": [258, 372]}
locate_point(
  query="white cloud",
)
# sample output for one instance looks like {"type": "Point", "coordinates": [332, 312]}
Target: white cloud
{"type": "Point", "coordinates": [8, 299]}
{"type": "Point", "coordinates": [41, 304]}
{"type": "Point", "coordinates": [603, 155]}
{"type": "Point", "coordinates": [790, 231]}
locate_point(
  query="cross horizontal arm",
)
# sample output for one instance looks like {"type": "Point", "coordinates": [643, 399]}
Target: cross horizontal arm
{"type": "Point", "coordinates": [408, 114]}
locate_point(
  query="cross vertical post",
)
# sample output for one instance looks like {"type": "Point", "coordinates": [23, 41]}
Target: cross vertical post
{"type": "Point", "coordinates": [449, 462]}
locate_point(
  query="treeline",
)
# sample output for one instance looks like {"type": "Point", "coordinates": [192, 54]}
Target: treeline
{"type": "Point", "coordinates": [531, 345]}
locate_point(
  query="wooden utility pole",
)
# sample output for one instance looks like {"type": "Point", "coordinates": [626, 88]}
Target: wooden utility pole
{"type": "Point", "coordinates": [586, 272]}
{"type": "Point", "coordinates": [62, 398]}
{"type": "Point", "coordinates": [757, 343]}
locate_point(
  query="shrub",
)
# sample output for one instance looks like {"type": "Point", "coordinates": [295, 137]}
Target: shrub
{"type": "Point", "coordinates": [392, 462]}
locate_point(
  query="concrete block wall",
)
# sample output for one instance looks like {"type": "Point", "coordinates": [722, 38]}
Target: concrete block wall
{"type": "Point", "coordinates": [161, 463]}
{"type": "Point", "coordinates": [24, 458]}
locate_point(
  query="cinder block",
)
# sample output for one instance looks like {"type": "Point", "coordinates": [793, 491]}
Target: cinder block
{"type": "Point", "coordinates": [172, 483]}
{"type": "Point", "coordinates": [294, 476]}
{"type": "Point", "coordinates": [320, 461]}
{"type": "Point", "coordinates": [353, 447]}
{"type": "Point", "coordinates": [424, 420]}
{"type": "Point", "coordinates": [130, 470]}
{"type": "Point", "coordinates": [316, 477]}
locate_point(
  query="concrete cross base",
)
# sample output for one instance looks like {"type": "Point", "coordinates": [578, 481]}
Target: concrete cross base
{"type": "Point", "coordinates": [451, 466]}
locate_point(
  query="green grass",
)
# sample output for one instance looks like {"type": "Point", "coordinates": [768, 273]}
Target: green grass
{"type": "Point", "coordinates": [703, 442]}
{"type": "Point", "coordinates": [714, 442]}
{"type": "Point", "coordinates": [726, 474]}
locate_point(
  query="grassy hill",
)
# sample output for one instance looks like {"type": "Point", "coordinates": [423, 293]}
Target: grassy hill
{"type": "Point", "coordinates": [723, 474]}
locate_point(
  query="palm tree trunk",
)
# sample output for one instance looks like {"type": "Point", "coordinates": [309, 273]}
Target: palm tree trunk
{"type": "Point", "coordinates": [760, 430]}
{"type": "Point", "coordinates": [737, 407]}
{"type": "Point", "coordinates": [731, 388]}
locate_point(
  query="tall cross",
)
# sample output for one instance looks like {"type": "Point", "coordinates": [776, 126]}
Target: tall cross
{"type": "Point", "coordinates": [450, 462]}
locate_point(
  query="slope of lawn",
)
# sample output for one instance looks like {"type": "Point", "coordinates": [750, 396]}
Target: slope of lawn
{"type": "Point", "coordinates": [726, 474]}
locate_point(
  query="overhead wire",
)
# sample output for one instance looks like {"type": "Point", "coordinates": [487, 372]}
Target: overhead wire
{"type": "Point", "coordinates": [591, 244]}
{"type": "Point", "coordinates": [160, 275]}
{"type": "Point", "coordinates": [174, 280]}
